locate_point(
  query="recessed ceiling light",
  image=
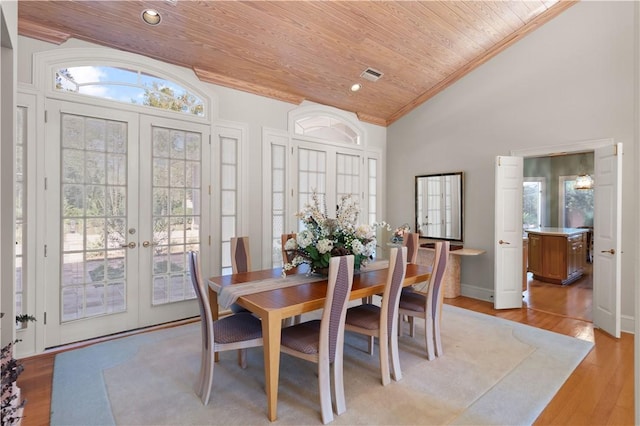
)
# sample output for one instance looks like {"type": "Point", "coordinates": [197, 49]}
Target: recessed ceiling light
{"type": "Point", "coordinates": [356, 87]}
{"type": "Point", "coordinates": [151, 16]}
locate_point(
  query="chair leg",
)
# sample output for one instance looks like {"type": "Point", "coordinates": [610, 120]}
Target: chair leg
{"type": "Point", "coordinates": [437, 339]}
{"type": "Point", "coordinates": [288, 322]}
{"type": "Point", "coordinates": [383, 349]}
{"type": "Point", "coordinates": [338, 384]}
{"type": "Point", "coordinates": [203, 372]}
{"type": "Point", "coordinates": [371, 344]}
{"type": "Point", "coordinates": [395, 357]}
{"type": "Point", "coordinates": [242, 358]}
{"type": "Point", "coordinates": [428, 337]}
{"type": "Point", "coordinates": [207, 381]}
{"type": "Point", "coordinates": [324, 386]}
{"type": "Point", "coordinates": [412, 328]}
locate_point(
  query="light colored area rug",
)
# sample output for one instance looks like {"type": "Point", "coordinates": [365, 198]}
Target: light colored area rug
{"type": "Point", "coordinates": [493, 372]}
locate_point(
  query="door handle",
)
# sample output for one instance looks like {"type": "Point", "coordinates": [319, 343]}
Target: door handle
{"type": "Point", "coordinates": [147, 244]}
{"type": "Point", "coordinates": [503, 242]}
{"type": "Point", "coordinates": [131, 245]}
{"type": "Point", "coordinates": [612, 251]}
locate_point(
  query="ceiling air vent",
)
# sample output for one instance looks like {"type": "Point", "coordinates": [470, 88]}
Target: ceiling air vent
{"type": "Point", "coordinates": [371, 74]}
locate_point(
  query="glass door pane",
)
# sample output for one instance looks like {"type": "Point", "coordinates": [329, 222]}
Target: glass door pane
{"type": "Point", "coordinates": [312, 176]}
{"type": "Point", "coordinates": [20, 211]}
{"type": "Point", "coordinates": [91, 222]}
{"type": "Point", "coordinates": [173, 211]}
{"type": "Point", "coordinates": [176, 216]}
{"type": "Point", "coordinates": [94, 216]}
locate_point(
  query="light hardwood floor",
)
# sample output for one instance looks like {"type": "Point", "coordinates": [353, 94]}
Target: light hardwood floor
{"type": "Point", "coordinates": [598, 392]}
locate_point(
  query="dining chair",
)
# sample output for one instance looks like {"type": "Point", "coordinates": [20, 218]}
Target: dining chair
{"type": "Point", "coordinates": [322, 341]}
{"type": "Point", "coordinates": [237, 331]}
{"type": "Point", "coordinates": [240, 255]}
{"type": "Point", "coordinates": [428, 305]}
{"type": "Point", "coordinates": [411, 242]}
{"type": "Point", "coordinates": [240, 262]}
{"type": "Point", "coordinates": [288, 258]}
{"type": "Point", "coordinates": [382, 321]}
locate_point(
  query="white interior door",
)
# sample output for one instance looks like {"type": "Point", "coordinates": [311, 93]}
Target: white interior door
{"type": "Point", "coordinates": [607, 238]}
{"type": "Point", "coordinates": [508, 233]}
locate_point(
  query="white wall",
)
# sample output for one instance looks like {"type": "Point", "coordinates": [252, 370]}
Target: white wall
{"type": "Point", "coordinates": [571, 80]}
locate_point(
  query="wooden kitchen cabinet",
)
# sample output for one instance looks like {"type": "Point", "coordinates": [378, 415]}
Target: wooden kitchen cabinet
{"type": "Point", "coordinates": [534, 263]}
{"type": "Point", "coordinates": [557, 255]}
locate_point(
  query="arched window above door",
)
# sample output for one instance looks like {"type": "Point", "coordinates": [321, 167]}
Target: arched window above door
{"type": "Point", "coordinates": [128, 85]}
{"type": "Point", "coordinates": [325, 127]}
{"type": "Point", "coordinates": [325, 124]}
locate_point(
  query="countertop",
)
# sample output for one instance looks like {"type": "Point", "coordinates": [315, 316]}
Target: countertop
{"type": "Point", "coordinates": [567, 232]}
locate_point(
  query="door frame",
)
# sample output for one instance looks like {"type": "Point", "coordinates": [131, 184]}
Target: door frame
{"type": "Point", "coordinates": [573, 148]}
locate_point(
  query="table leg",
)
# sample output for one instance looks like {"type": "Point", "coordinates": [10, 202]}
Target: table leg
{"type": "Point", "coordinates": [271, 328]}
{"type": "Point", "coordinates": [213, 304]}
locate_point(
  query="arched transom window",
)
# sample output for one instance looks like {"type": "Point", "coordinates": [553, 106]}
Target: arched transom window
{"type": "Point", "coordinates": [128, 86]}
{"type": "Point", "coordinates": [325, 127]}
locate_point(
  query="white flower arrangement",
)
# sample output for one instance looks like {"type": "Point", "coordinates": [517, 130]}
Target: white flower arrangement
{"type": "Point", "coordinates": [326, 237]}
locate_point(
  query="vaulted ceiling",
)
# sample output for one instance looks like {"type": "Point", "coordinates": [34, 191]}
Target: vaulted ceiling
{"type": "Point", "coordinates": [305, 50]}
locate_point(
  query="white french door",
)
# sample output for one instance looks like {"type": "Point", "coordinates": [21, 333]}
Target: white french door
{"type": "Point", "coordinates": [123, 206]}
{"type": "Point", "coordinates": [174, 207]}
{"type": "Point", "coordinates": [331, 172]}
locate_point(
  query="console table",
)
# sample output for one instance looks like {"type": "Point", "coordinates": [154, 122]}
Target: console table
{"type": "Point", "coordinates": [451, 280]}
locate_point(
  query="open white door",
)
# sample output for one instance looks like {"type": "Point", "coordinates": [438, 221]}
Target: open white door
{"type": "Point", "coordinates": [507, 292]}
{"type": "Point", "coordinates": [607, 243]}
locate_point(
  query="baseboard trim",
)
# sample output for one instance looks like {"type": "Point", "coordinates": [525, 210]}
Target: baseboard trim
{"type": "Point", "coordinates": [476, 292]}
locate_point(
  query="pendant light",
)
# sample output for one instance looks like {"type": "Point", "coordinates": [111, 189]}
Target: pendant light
{"type": "Point", "coordinates": [584, 180]}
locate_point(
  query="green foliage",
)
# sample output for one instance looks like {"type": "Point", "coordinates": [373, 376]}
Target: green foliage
{"type": "Point", "coordinates": [163, 97]}
{"type": "Point", "coordinates": [25, 318]}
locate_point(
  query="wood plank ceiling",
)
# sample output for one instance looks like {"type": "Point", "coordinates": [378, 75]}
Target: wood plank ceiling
{"type": "Point", "coordinates": [305, 50]}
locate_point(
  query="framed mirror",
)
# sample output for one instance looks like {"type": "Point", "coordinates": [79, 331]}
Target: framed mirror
{"type": "Point", "coordinates": [440, 206]}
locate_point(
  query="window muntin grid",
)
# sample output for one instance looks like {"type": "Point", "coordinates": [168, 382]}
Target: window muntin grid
{"type": "Point", "coordinates": [94, 216]}
{"type": "Point", "coordinates": [176, 214]}
{"type": "Point", "coordinates": [228, 198]}
{"type": "Point", "coordinates": [278, 201]}
{"type": "Point", "coordinates": [20, 212]}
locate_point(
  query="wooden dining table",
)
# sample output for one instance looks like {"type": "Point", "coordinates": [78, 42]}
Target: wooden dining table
{"type": "Point", "coordinates": [272, 306]}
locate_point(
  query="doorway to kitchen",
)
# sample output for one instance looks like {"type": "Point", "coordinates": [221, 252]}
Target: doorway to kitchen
{"type": "Point", "coordinates": [555, 196]}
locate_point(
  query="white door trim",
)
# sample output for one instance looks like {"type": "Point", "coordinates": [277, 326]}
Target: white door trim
{"type": "Point", "coordinates": [570, 148]}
